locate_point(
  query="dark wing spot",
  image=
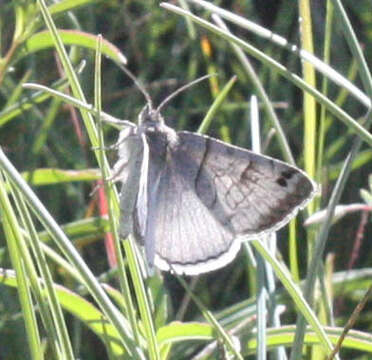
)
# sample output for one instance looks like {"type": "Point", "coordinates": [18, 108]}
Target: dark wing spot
{"type": "Point", "coordinates": [287, 174]}
{"type": "Point", "coordinates": [282, 182]}
{"type": "Point", "coordinates": [284, 176]}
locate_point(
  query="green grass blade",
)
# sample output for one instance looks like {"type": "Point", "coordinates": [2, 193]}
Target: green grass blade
{"type": "Point", "coordinates": [44, 40]}
{"type": "Point", "coordinates": [46, 296]}
{"type": "Point", "coordinates": [212, 320]}
{"type": "Point", "coordinates": [82, 309]}
{"type": "Point", "coordinates": [261, 93]}
{"type": "Point", "coordinates": [71, 253]}
{"type": "Point", "coordinates": [13, 236]}
{"type": "Point", "coordinates": [282, 70]}
{"type": "Point", "coordinates": [283, 274]}
{"type": "Point", "coordinates": [260, 31]}
{"type": "Point", "coordinates": [203, 128]}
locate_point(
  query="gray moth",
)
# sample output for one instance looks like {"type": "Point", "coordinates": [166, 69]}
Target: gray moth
{"type": "Point", "coordinates": [190, 199]}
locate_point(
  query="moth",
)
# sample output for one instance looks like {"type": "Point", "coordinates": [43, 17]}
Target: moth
{"type": "Point", "coordinates": [190, 199]}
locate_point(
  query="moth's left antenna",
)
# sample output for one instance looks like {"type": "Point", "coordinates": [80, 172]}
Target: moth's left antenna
{"type": "Point", "coordinates": [138, 84]}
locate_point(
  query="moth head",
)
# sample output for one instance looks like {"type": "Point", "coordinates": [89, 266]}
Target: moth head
{"type": "Point", "coordinates": [149, 117]}
{"type": "Point", "coordinates": [151, 123]}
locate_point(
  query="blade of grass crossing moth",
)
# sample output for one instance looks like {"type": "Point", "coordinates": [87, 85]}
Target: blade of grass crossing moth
{"type": "Point", "coordinates": [260, 275]}
{"type": "Point", "coordinates": [141, 294]}
{"type": "Point", "coordinates": [123, 277]}
{"type": "Point", "coordinates": [100, 296]}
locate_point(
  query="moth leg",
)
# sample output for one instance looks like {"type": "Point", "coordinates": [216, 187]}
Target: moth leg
{"type": "Point", "coordinates": [96, 187]}
{"type": "Point", "coordinates": [124, 135]}
{"type": "Point", "coordinates": [115, 176]}
{"type": "Point", "coordinates": [113, 146]}
{"type": "Point", "coordinates": [118, 123]}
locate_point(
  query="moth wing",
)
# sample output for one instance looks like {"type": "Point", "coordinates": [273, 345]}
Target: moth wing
{"type": "Point", "coordinates": [180, 227]}
{"type": "Point", "coordinates": [209, 193]}
{"type": "Point", "coordinates": [256, 193]}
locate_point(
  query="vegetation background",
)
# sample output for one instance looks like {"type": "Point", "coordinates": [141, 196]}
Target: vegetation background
{"type": "Point", "coordinates": [165, 52]}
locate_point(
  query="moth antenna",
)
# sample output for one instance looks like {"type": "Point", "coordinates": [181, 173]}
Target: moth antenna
{"type": "Point", "coordinates": [179, 90]}
{"type": "Point", "coordinates": [138, 84]}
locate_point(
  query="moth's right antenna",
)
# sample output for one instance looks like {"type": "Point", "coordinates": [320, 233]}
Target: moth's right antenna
{"type": "Point", "coordinates": [138, 84]}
